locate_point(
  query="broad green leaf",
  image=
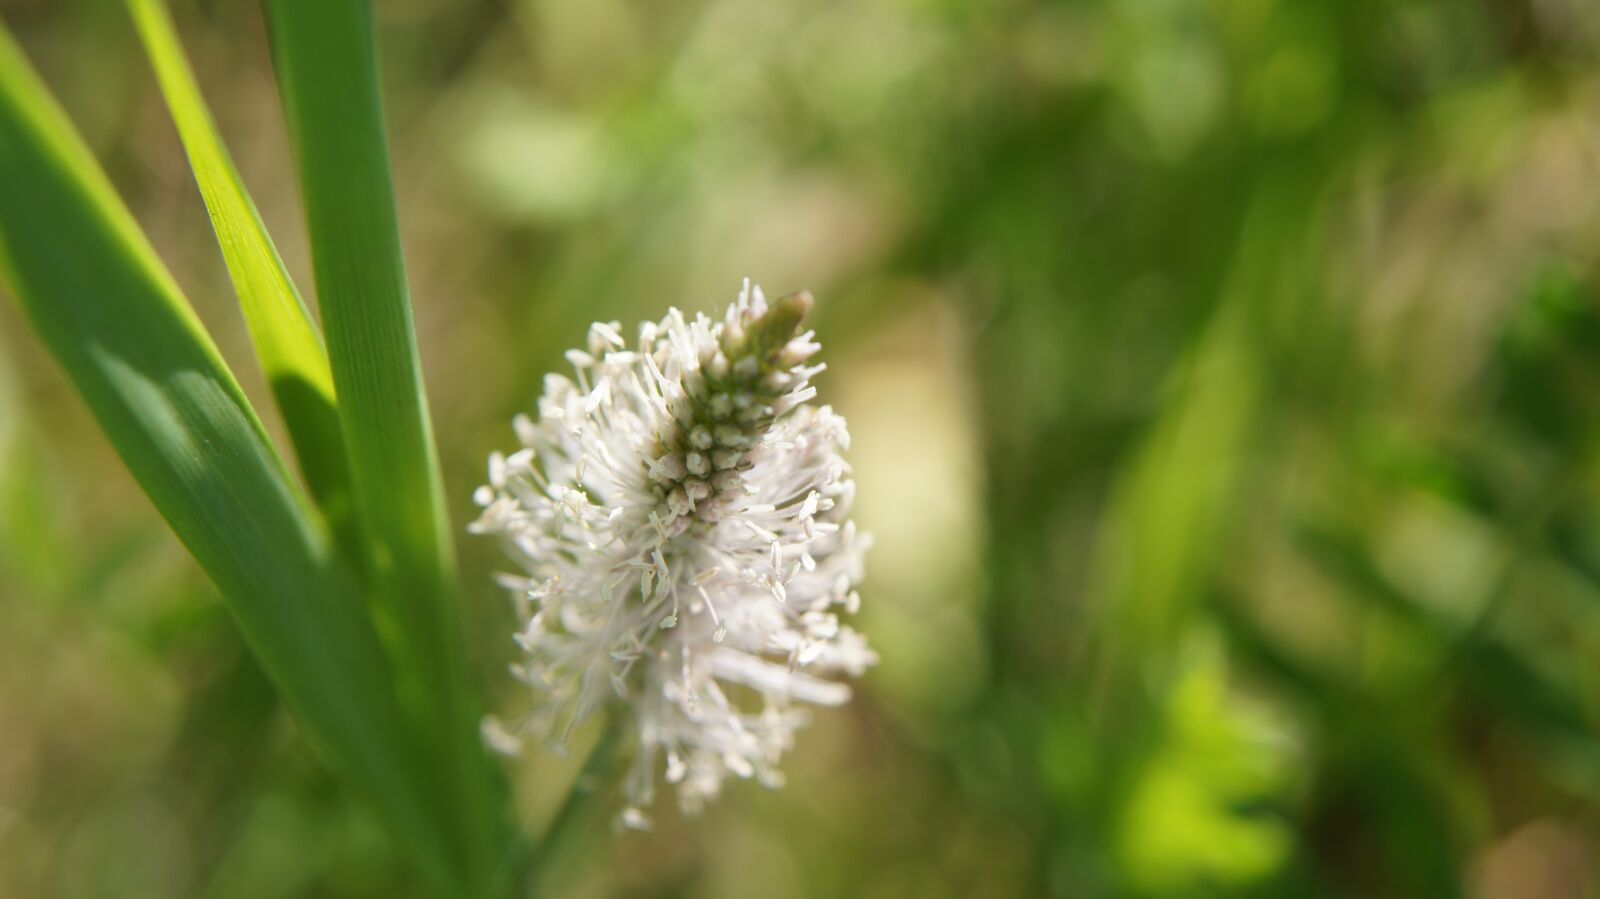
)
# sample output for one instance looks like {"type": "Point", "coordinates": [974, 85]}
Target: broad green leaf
{"type": "Point", "coordinates": [116, 321]}
{"type": "Point", "coordinates": [327, 71]}
{"type": "Point", "coordinates": [34, 552]}
{"type": "Point", "coordinates": [286, 340]}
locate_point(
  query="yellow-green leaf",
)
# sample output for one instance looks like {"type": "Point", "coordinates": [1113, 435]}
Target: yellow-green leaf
{"type": "Point", "coordinates": [287, 343]}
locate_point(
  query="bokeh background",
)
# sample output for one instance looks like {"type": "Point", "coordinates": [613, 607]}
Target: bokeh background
{"type": "Point", "coordinates": [1225, 384]}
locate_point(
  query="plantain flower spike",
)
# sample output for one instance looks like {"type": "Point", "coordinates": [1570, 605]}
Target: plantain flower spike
{"type": "Point", "coordinates": [679, 511]}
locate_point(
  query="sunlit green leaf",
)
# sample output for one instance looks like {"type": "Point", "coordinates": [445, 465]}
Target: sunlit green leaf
{"type": "Point", "coordinates": [286, 340]}
{"type": "Point", "coordinates": [327, 71]}
{"type": "Point", "coordinates": [115, 320]}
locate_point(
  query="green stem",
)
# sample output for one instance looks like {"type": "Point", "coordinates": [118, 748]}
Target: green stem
{"type": "Point", "coordinates": [579, 807]}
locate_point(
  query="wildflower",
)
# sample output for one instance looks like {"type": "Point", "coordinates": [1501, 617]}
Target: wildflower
{"type": "Point", "coordinates": [680, 514]}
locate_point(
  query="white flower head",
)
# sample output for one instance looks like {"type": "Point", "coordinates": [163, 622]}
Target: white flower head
{"type": "Point", "coordinates": [679, 510]}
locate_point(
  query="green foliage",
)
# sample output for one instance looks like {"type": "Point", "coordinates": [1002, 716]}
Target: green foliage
{"type": "Point", "coordinates": [1222, 380]}
{"type": "Point", "coordinates": [326, 65]}
{"type": "Point", "coordinates": [1197, 809]}
{"type": "Point", "coordinates": [287, 342]}
{"type": "Point", "coordinates": [115, 320]}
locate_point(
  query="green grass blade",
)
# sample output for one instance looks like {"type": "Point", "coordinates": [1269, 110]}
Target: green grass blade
{"type": "Point", "coordinates": [287, 343]}
{"type": "Point", "coordinates": [326, 64]}
{"type": "Point", "coordinates": [116, 321]}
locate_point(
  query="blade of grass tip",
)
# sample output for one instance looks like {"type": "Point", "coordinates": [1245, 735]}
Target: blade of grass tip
{"type": "Point", "coordinates": [119, 326]}
{"type": "Point", "coordinates": [287, 343]}
{"type": "Point", "coordinates": [326, 63]}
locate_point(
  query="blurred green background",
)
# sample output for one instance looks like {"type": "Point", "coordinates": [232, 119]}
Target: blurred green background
{"type": "Point", "coordinates": [1225, 384]}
